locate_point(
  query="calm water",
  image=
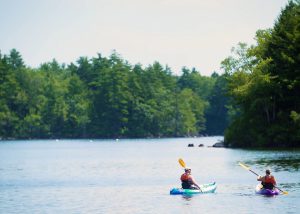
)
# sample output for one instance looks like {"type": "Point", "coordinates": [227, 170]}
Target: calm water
{"type": "Point", "coordinates": [135, 176]}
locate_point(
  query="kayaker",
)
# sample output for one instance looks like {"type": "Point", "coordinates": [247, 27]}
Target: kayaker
{"type": "Point", "coordinates": [268, 181]}
{"type": "Point", "coordinates": [187, 180]}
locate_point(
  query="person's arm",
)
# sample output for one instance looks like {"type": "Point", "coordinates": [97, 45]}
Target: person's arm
{"type": "Point", "coordinates": [194, 182]}
{"type": "Point", "coordinates": [275, 183]}
{"type": "Point", "coordinates": [259, 178]}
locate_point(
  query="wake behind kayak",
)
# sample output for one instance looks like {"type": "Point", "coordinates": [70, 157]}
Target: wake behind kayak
{"type": "Point", "coordinates": [205, 188]}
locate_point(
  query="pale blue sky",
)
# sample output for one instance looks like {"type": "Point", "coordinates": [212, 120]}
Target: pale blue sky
{"type": "Point", "coordinates": [192, 33]}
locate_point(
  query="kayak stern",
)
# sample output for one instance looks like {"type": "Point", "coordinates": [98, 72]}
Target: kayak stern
{"type": "Point", "coordinates": [267, 192]}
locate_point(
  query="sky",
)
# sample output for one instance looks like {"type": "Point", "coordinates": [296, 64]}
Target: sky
{"type": "Point", "coordinates": [177, 33]}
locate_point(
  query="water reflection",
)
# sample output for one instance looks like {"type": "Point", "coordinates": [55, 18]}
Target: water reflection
{"type": "Point", "coordinates": [291, 187]}
{"type": "Point", "coordinates": [187, 197]}
{"type": "Point", "coordinates": [277, 165]}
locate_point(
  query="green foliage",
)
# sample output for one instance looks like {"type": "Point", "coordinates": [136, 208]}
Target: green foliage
{"type": "Point", "coordinates": [104, 98]}
{"type": "Point", "coordinates": [191, 113]}
{"type": "Point", "coordinates": [264, 83]}
{"type": "Point", "coordinates": [201, 85]}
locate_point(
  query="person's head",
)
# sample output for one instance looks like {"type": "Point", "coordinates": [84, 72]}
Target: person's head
{"type": "Point", "coordinates": [187, 170]}
{"type": "Point", "coordinates": [268, 172]}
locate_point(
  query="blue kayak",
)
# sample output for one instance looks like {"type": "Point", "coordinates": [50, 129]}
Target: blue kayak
{"type": "Point", "coordinates": [268, 192]}
{"type": "Point", "coordinates": [205, 188]}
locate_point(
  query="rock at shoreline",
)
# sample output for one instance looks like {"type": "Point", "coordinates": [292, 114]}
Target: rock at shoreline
{"type": "Point", "coordinates": [219, 145]}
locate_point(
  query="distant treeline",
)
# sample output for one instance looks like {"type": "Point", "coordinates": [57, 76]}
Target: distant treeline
{"type": "Point", "coordinates": [256, 100]}
{"type": "Point", "coordinates": [105, 97]}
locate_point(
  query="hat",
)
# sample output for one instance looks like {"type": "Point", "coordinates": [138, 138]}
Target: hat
{"type": "Point", "coordinates": [268, 171]}
{"type": "Point", "coordinates": [187, 168]}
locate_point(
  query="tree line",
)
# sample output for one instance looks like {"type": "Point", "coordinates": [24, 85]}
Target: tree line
{"type": "Point", "coordinates": [106, 97]}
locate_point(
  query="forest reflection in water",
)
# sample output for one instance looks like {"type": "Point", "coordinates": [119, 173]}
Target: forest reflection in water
{"type": "Point", "coordinates": [284, 162]}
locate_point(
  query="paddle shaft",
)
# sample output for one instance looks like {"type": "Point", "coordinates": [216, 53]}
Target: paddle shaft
{"type": "Point", "coordinates": [253, 172]}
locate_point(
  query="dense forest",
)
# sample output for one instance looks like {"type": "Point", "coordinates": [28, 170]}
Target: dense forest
{"type": "Point", "coordinates": [106, 97]}
{"type": "Point", "coordinates": [256, 101]}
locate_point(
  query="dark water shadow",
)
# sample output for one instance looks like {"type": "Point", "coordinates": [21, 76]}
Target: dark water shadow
{"type": "Point", "coordinates": [187, 197]}
{"type": "Point", "coordinates": [290, 187]}
{"type": "Point", "coordinates": [279, 164]}
{"type": "Point", "coordinates": [248, 194]}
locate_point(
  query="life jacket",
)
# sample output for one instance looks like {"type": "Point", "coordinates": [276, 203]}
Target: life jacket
{"type": "Point", "coordinates": [269, 182]}
{"type": "Point", "coordinates": [186, 181]}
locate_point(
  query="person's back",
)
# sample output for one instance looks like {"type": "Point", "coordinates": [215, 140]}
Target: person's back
{"type": "Point", "coordinates": [187, 180]}
{"type": "Point", "coordinates": [268, 181]}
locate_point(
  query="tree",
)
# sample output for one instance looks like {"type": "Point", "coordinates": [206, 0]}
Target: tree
{"type": "Point", "coordinates": [264, 84]}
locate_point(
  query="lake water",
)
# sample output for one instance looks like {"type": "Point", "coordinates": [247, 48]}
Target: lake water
{"type": "Point", "coordinates": [135, 176]}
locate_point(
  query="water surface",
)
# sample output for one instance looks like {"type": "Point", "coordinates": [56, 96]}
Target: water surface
{"type": "Point", "coordinates": [135, 176]}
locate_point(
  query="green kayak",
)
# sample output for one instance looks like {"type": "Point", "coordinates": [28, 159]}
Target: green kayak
{"type": "Point", "coordinates": [205, 188]}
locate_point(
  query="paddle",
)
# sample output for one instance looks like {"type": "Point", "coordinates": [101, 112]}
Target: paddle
{"type": "Point", "coordinates": [248, 168]}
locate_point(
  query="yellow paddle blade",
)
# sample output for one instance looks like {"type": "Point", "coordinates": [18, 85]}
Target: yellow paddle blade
{"type": "Point", "coordinates": [283, 192]}
{"type": "Point", "coordinates": [244, 166]}
{"type": "Point", "coordinates": [181, 162]}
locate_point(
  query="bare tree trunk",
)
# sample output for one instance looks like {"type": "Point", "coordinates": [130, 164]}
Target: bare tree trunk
{"type": "Point", "coordinates": [267, 113]}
